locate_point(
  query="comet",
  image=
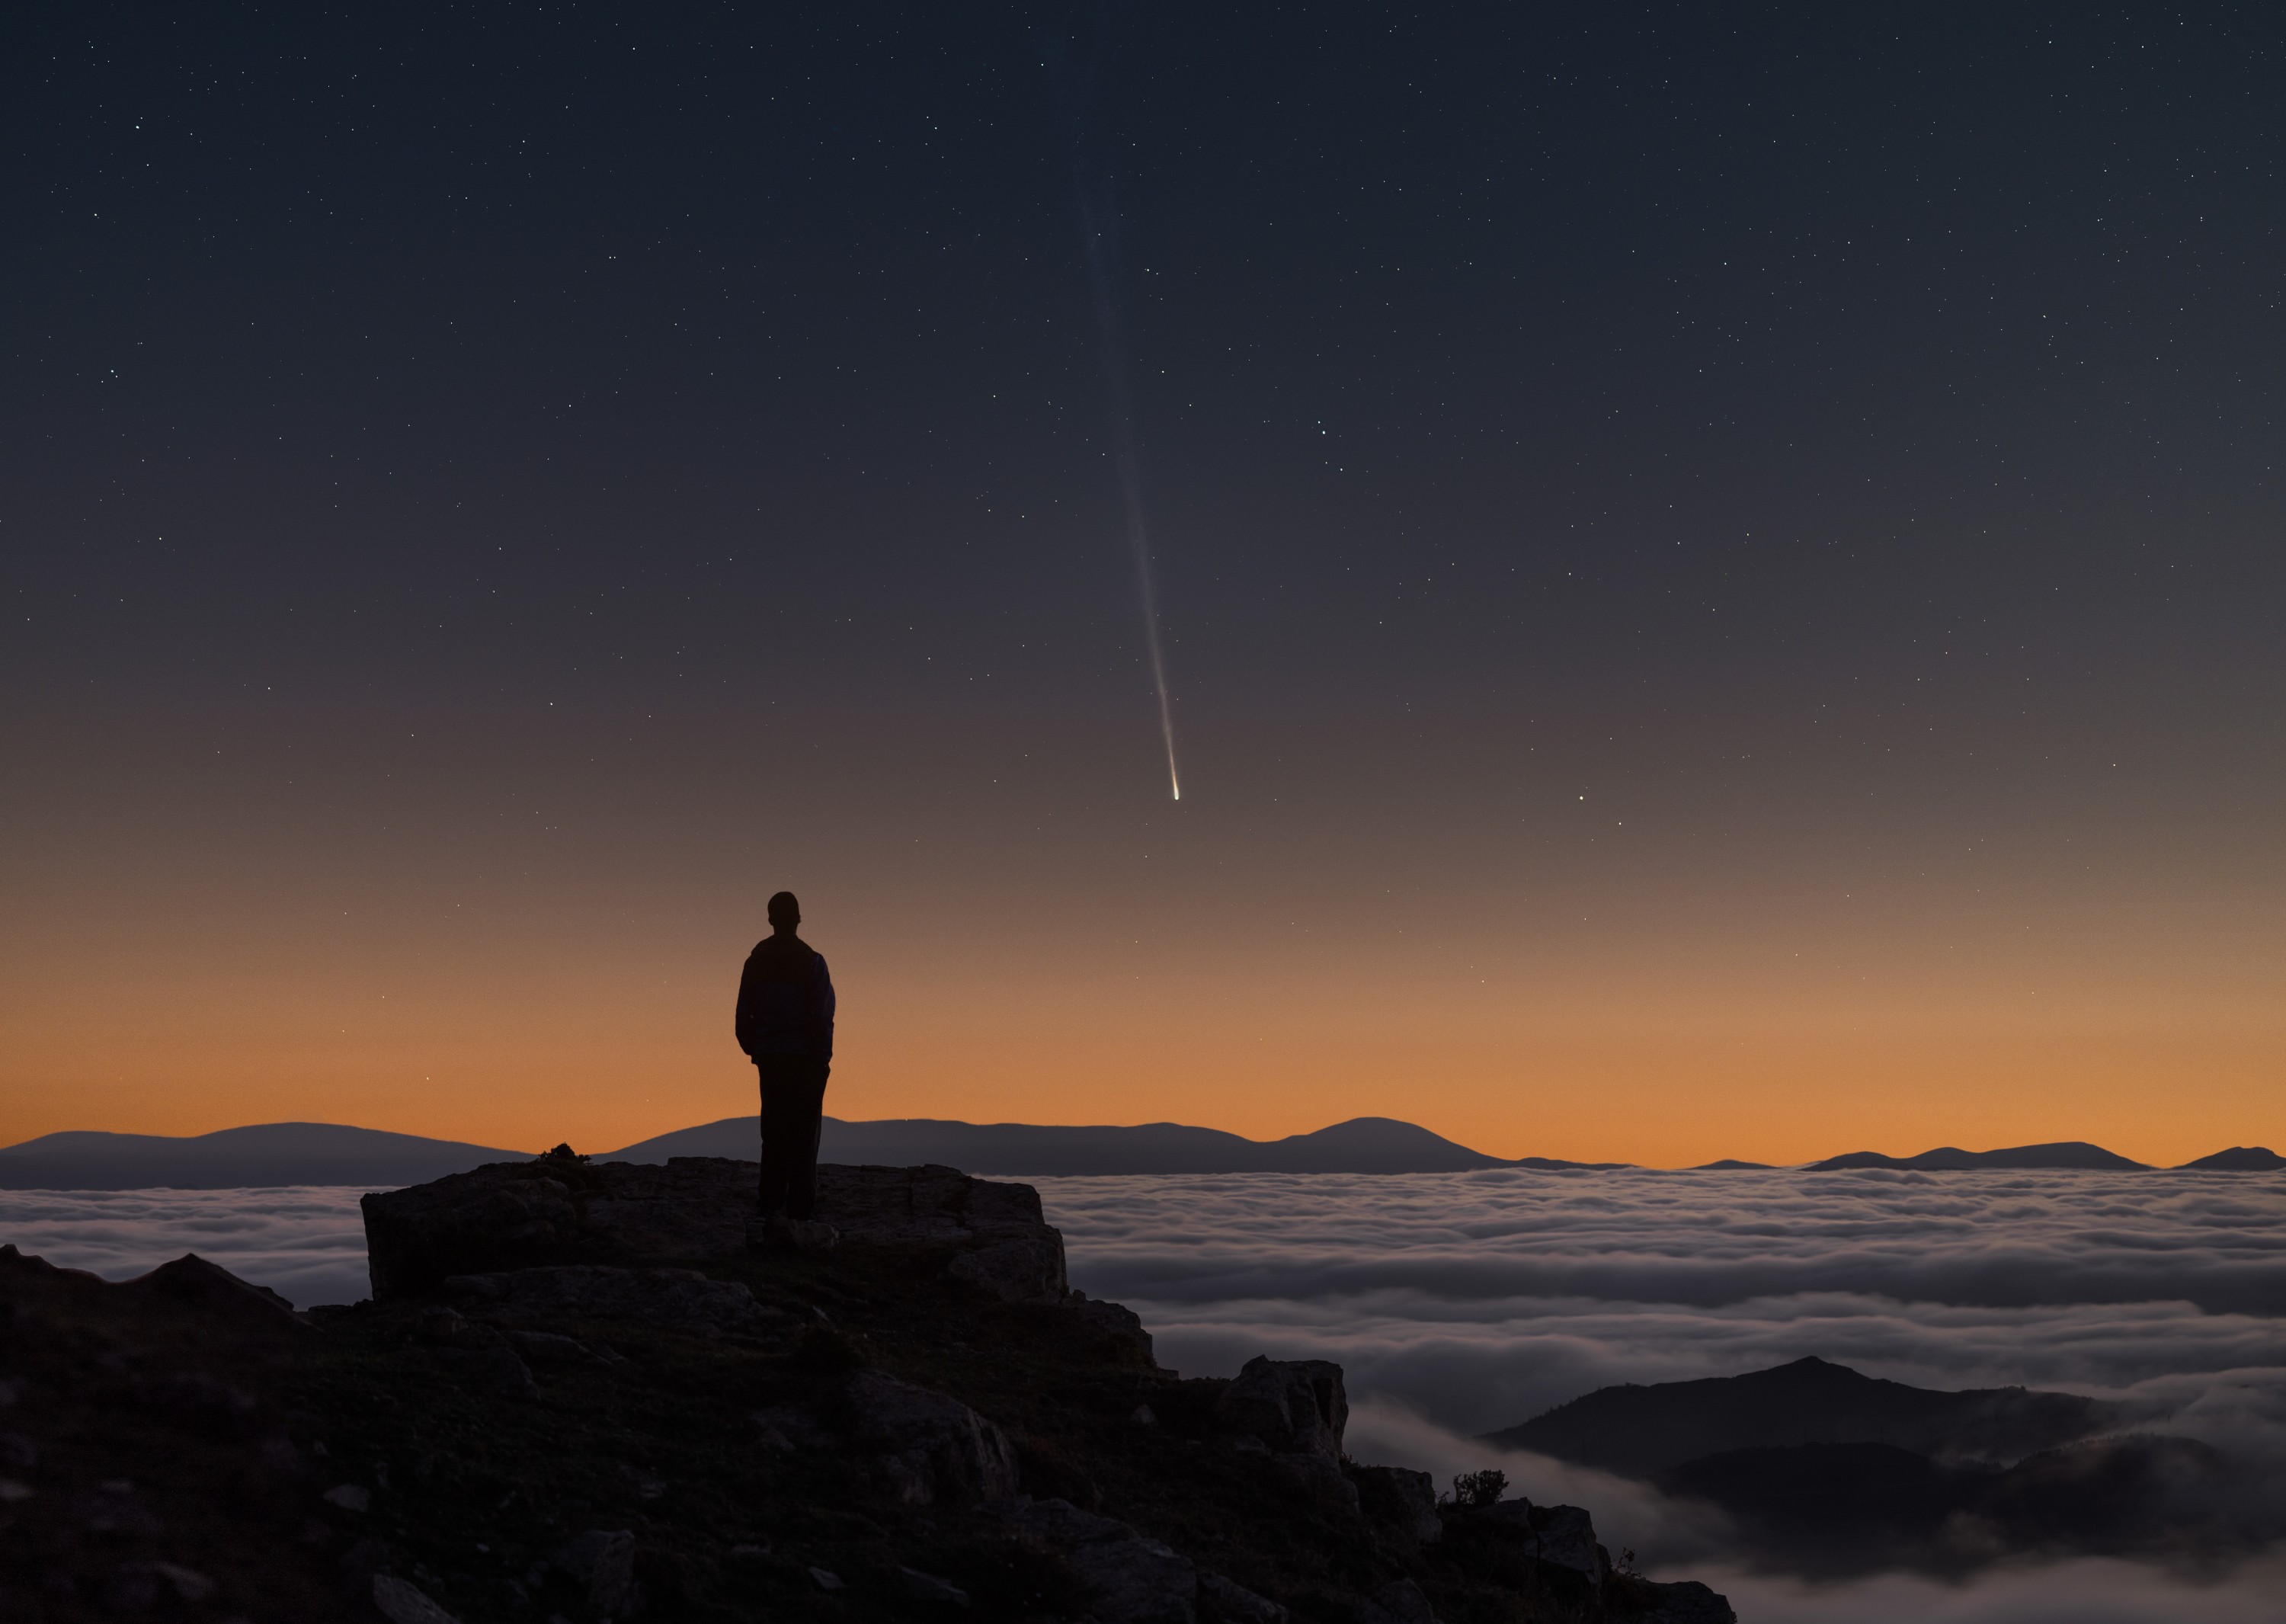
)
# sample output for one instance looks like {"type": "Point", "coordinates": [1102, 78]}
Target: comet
{"type": "Point", "coordinates": [1099, 223]}
{"type": "Point", "coordinates": [1099, 226]}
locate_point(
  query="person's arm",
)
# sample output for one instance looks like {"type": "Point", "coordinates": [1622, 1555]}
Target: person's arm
{"type": "Point", "coordinates": [821, 1007]}
{"type": "Point", "coordinates": [742, 1022]}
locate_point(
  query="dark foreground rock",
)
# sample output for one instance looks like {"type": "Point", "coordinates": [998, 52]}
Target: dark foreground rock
{"type": "Point", "coordinates": [150, 1463]}
{"type": "Point", "coordinates": [582, 1395]}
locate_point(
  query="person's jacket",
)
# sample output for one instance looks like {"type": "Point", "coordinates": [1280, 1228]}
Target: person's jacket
{"type": "Point", "coordinates": [786, 1000]}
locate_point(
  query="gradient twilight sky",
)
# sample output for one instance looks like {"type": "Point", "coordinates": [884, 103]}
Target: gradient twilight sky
{"type": "Point", "coordinates": [1720, 569]}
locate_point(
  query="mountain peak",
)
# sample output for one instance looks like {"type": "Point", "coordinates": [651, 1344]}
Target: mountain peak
{"type": "Point", "coordinates": [2064, 1156]}
{"type": "Point", "coordinates": [2240, 1159]}
{"type": "Point", "coordinates": [1642, 1431]}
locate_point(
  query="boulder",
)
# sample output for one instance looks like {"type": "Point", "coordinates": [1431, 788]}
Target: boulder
{"type": "Point", "coordinates": [1131, 1578]}
{"type": "Point", "coordinates": [784, 1428]}
{"type": "Point", "coordinates": [1401, 1602]}
{"type": "Point", "coordinates": [602, 1562]}
{"type": "Point", "coordinates": [1684, 1602]}
{"type": "Point", "coordinates": [201, 1403]}
{"type": "Point", "coordinates": [114, 1507]}
{"type": "Point", "coordinates": [674, 1299]}
{"type": "Point", "coordinates": [553, 1212]}
{"type": "Point", "coordinates": [932, 1447]}
{"type": "Point", "coordinates": [1400, 1503]}
{"type": "Point", "coordinates": [1564, 1535]}
{"type": "Point", "coordinates": [777, 1233]}
{"type": "Point", "coordinates": [1322, 1481]}
{"type": "Point", "coordinates": [477, 1356]}
{"type": "Point", "coordinates": [1027, 1269]}
{"type": "Point", "coordinates": [1222, 1602]}
{"type": "Point", "coordinates": [190, 1281]}
{"type": "Point", "coordinates": [921, 1586]}
{"type": "Point", "coordinates": [401, 1602]}
{"type": "Point", "coordinates": [1119, 1329]}
{"type": "Point", "coordinates": [1294, 1405]}
{"type": "Point", "coordinates": [497, 1371]}
{"type": "Point", "coordinates": [187, 1583]}
{"type": "Point", "coordinates": [551, 1352]}
{"type": "Point", "coordinates": [507, 1216]}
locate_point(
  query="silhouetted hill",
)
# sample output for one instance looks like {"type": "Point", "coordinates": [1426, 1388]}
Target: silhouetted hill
{"type": "Point", "coordinates": [1365, 1145]}
{"type": "Point", "coordinates": [1730, 1165]}
{"type": "Point", "coordinates": [1843, 1508]}
{"type": "Point", "coordinates": [2069, 1155]}
{"type": "Point", "coordinates": [1642, 1431]}
{"type": "Point", "coordinates": [278, 1153]}
{"type": "Point", "coordinates": [2240, 1159]}
{"type": "Point", "coordinates": [329, 1153]}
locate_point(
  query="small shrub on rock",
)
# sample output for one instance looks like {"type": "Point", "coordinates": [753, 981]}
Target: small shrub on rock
{"type": "Point", "coordinates": [1479, 1488]}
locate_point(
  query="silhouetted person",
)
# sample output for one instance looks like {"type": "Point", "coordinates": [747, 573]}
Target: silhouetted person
{"type": "Point", "coordinates": [785, 1024]}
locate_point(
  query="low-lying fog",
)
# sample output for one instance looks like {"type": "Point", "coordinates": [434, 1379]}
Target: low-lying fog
{"type": "Point", "coordinates": [1462, 1302]}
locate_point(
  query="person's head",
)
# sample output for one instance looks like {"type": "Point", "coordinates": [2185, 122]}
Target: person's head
{"type": "Point", "coordinates": [785, 913]}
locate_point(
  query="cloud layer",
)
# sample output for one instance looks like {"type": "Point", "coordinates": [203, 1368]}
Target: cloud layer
{"type": "Point", "coordinates": [2080, 1592]}
{"type": "Point", "coordinates": [306, 1243]}
{"type": "Point", "coordinates": [1459, 1303]}
{"type": "Point", "coordinates": [1483, 1298]}
{"type": "Point", "coordinates": [1463, 1302]}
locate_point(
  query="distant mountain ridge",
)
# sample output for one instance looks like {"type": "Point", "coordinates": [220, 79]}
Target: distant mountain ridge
{"type": "Point", "coordinates": [268, 1155]}
{"type": "Point", "coordinates": [2241, 1159]}
{"type": "Point", "coordinates": [277, 1153]}
{"type": "Point", "coordinates": [1362, 1145]}
{"type": "Point", "coordinates": [2070, 1154]}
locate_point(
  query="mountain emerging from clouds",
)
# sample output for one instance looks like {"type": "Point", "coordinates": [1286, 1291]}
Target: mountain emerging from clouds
{"type": "Point", "coordinates": [1642, 1431]}
{"type": "Point", "coordinates": [1826, 1472]}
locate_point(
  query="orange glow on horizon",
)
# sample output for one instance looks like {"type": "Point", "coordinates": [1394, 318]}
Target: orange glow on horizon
{"type": "Point", "coordinates": [1723, 980]}
{"type": "Point", "coordinates": [1593, 1061]}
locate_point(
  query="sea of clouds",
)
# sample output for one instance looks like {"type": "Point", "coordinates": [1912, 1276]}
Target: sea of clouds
{"type": "Point", "coordinates": [1463, 1302]}
{"type": "Point", "coordinates": [305, 1241]}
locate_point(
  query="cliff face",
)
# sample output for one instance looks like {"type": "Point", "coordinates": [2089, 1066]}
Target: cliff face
{"type": "Point", "coordinates": [588, 1393]}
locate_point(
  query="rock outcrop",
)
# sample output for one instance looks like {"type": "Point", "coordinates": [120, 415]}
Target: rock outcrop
{"type": "Point", "coordinates": [149, 1465]}
{"type": "Point", "coordinates": [1564, 1535]}
{"type": "Point", "coordinates": [1401, 1504]}
{"type": "Point", "coordinates": [553, 1210]}
{"type": "Point", "coordinates": [1294, 1405]}
{"type": "Point", "coordinates": [676, 1300]}
{"type": "Point", "coordinates": [1128, 1578]}
{"type": "Point", "coordinates": [589, 1394]}
{"type": "Point", "coordinates": [933, 1447]}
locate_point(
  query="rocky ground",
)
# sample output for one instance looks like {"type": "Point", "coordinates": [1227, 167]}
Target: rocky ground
{"type": "Point", "coordinates": [588, 1393]}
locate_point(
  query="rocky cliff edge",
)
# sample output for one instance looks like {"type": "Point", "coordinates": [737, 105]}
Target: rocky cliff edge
{"type": "Point", "coordinates": [588, 1393]}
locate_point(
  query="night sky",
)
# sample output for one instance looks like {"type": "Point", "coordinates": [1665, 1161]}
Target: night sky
{"type": "Point", "coordinates": [1720, 568]}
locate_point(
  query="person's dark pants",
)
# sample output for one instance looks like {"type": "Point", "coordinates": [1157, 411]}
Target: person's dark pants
{"type": "Point", "coordinates": [793, 1102]}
